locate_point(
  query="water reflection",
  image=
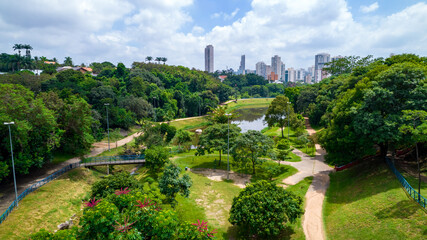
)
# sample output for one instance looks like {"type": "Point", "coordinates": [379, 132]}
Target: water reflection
{"type": "Point", "coordinates": [251, 119]}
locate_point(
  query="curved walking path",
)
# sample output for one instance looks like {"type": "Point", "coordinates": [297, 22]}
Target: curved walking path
{"type": "Point", "coordinates": [316, 167]}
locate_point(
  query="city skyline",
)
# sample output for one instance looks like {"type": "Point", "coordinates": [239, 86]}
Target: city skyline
{"type": "Point", "coordinates": [127, 31]}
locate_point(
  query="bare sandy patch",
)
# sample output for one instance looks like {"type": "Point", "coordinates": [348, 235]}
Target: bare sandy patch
{"type": "Point", "coordinates": [238, 179]}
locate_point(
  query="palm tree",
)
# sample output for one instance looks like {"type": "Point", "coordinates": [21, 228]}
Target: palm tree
{"type": "Point", "coordinates": [68, 61]}
{"type": "Point", "coordinates": [149, 58]}
{"type": "Point", "coordinates": [164, 60]}
{"type": "Point", "coordinates": [18, 47]}
{"type": "Point", "coordinates": [28, 50]}
{"type": "Point", "coordinates": [158, 59]}
{"type": "Point", "coordinates": [55, 60]}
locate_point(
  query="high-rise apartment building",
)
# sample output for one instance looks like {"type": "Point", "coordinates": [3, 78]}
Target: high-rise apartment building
{"type": "Point", "coordinates": [319, 61]}
{"type": "Point", "coordinates": [282, 70]}
{"type": "Point", "coordinates": [261, 69]}
{"type": "Point", "coordinates": [209, 59]}
{"type": "Point", "coordinates": [242, 65]}
{"type": "Point", "coordinates": [291, 75]}
{"type": "Point", "coordinates": [276, 65]}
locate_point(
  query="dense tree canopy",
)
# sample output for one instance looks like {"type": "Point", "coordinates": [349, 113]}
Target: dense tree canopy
{"type": "Point", "coordinates": [263, 208]}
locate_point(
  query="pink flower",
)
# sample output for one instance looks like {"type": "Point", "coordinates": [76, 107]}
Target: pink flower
{"type": "Point", "coordinates": [121, 191]}
{"type": "Point", "coordinates": [123, 227]}
{"type": "Point", "coordinates": [147, 203]}
{"type": "Point", "coordinates": [92, 202]}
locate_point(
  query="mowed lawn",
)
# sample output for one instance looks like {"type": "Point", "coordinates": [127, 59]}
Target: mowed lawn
{"type": "Point", "coordinates": [368, 202]}
{"type": "Point", "coordinates": [50, 205]}
{"type": "Point", "coordinates": [249, 103]}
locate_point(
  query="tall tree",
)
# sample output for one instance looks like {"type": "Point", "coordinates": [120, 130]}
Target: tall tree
{"type": "Point", "coordinates": [149, 58]}
{"type": "Point", "coordinates": [18, 47]}
{"type": "Point", "coordinates": [215, 138]}
{"type": "Point", "coordinates": [68, 61]}
{"type": "Point", "coordinates": [164, 60]}
{"type": "Point", "coordinates": [250, 147]}
{"type": "Point", "coordinates": [279, 112]}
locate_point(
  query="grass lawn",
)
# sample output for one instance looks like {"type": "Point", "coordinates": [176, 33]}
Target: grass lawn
{"type": "Point", "coordinates": [277, 132]}
{"type": "Point", "coordinates": [368, 202]}
{"type": "Point", "coordinates": [50, 205]}
{"type": "Point", "coordinates": [249, 103]}
{"type": "Point", "coordinates": [190, 124]}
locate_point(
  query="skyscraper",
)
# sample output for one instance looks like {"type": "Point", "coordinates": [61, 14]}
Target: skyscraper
{"type": "Point", "coordinates": [209, 59]}
{"type": "Point", "coordinates": [242, 65]}
{"type": "Point", "coordinates": [276, 65]}
{"type": "Point", "coordinates": [261, 69]}
{"type": "Point", "coordinates": [319, 61]}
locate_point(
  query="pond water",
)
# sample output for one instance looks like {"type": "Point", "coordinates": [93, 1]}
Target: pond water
{"type": "Point", "coordinates": [251, 119]}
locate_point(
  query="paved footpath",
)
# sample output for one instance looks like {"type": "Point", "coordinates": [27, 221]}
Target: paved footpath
{"type": "Point", "coordinates": [316, 167]}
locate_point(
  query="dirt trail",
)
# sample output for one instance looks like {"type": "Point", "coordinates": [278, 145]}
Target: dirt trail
{"type": "Point", "coordinates": [316, 167]}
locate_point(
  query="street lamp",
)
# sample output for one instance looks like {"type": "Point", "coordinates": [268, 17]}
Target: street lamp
{"type": "Point", "coordinates": [108, 126]}
{"type": "Point", "coordinates": [13, 163]}
{"type": "Point", "coordinates": [228, 146]}
{"type": "Point", "coordinates": [288, 118]}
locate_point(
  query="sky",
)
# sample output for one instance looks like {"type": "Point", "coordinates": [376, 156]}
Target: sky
{"type": "Point", "coordinates": [130, 30]}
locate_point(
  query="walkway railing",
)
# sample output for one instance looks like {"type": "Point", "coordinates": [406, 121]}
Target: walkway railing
{"type": "Point", "coordinates": [411, 191]}
{"type": "Point", "coordinates": [94, 160]}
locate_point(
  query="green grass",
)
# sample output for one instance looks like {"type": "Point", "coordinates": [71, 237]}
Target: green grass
{"type": "Point", "coordinates": [277, 132]}
{"type": "Point", "coordinates": [249, 103]}
{"type": "Point", "coordinates": [50, 205]}
{"type": "Point", "coordinates": [190, 124]}
{"type": "Point", "coordinates": [368, 202]}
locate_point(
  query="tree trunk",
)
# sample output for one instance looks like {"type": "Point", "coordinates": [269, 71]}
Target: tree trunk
{"type": "Point", "coordinates": [253, 167]}
{"type": "Point", "coordinates": [383, 149]}
{"type": "Point", "coordinates": [282, 132]}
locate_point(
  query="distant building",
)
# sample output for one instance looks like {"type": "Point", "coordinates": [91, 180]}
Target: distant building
{"type": "Point", "coordinates": [273, 77]}
{"type": "Point", "coordinates": [242, 65]}
{"type": "Point", "coordinates": [209, 59]}
{"type": "Point", "coordinates": [276, 65]}
{"type": "Point", "coordinates": [248, 71]}
{"type": "Point", "coordinates": [50, 62]}
{"type": "Point", "coordinates": [291, 75]}
{"type": "Point", "coordinates": [300, 74]}
{"type": "Point", "coordinates": [319, 61]}
{"type": "Point", "coordinates": [267, 71]}
{"type": "Point", "coordinates": [336, 58]}
{"type": "Point", "coordinates": [80, 69]}
{"type": "Point", "coordinates": [282, 71]}
{"type": "Point", "coordinates": [261, 69]}
{"type": "Point", "coordinates": [222, 77]}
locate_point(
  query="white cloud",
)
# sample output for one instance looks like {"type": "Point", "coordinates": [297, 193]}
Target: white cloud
{"type": "Point", "coordinates": [225, 16]}
{"type": "Point", "coordinates": [367, 9]}
{"type": "Point", "coordinates": [127, 31]}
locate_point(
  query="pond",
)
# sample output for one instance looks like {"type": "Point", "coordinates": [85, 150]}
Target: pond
{"type": "Point", "coordinates": [251, 119]}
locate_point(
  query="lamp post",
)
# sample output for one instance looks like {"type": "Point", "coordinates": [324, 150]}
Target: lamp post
{"type": "Point", "coordinates": [13, 163]}
{"type": "Point", "coordinates": [288, 118]}
{"type": "Point", "coordinates": [228, 146]}
{"type": "Point", "coordinates": [108, 126]}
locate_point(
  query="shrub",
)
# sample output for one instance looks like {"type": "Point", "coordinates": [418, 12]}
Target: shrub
{"type": "Point", "coordinates": [111, 183]}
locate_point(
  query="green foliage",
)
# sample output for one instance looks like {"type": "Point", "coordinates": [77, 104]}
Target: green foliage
{"type": "Point", "coordinates": [98, 222]}
{"type": "Point", "coordinates": [249, 147]}
{"type": "Point", "coordinates": [111, 183]}
{"type": "Point", "coordinates": [156, 157]}
{"type": "Point", "coordinates": [182, 137]}
{"type": "Point", "coordinates": [215, 138]}
{"type": "Point", "coordinates": [279, 112]}
{"type": "Point", "coordinates": [170, 184]}
{"type": "Point", "coordinates": [262, 208]}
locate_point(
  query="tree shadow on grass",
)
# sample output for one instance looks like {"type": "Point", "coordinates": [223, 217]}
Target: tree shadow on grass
{"type": "Point", "coordinates": [235, 232]}
{"type": "Point", "coordinates": [403, 209]}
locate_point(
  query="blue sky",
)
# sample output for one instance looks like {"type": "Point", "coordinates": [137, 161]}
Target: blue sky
{"type": "Point", "coordinates": [129, 30]}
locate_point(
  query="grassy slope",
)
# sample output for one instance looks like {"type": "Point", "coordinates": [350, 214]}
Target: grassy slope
{"type": "Point", "coordinates": [368, 202]}
{"type": "Point", "coordinates": [49, 206]}
{"type": "Point", "coordinates": [190, 124]}
{"type": "Point", "coordinates": [250, 103]}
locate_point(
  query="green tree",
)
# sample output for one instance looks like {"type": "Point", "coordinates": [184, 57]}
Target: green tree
{"type": "Point", "coordinates": [283, 150]}
{"type": "Point", "coordinates": [279, 112]}
{"type": "Point", "coordinates": [149, 58]}
{"type": "Point", "coordinates": [215, 138]}
{"type": "Point", "coordinates": [249, 147]}
{"type": "Point", "coordinates": [181, 137]}
{"type": "Point", "coordinates": [156, 157]}
{"type": "Point", "coordinates": [170, 184]}
{"type": "Point", "coordinates": [416, 127]}
{"type": "Point", "coordinates": [68, 61]}
{"type": "Point", "coordinates": [262, 209]}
